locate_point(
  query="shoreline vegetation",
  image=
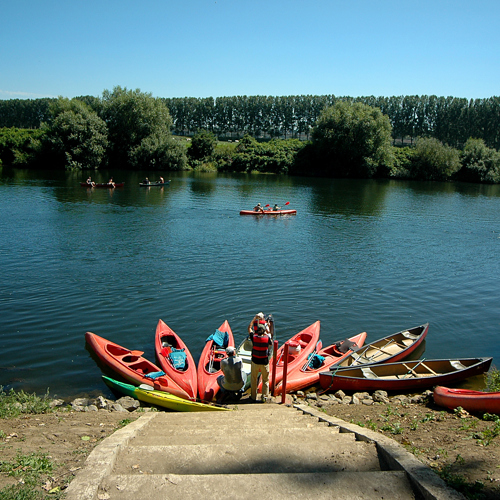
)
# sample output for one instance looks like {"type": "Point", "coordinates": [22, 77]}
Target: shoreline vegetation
{"type": "Point", "coordinates": [45, 441]}
{"type": "Point", "coordinates": [408, 137]}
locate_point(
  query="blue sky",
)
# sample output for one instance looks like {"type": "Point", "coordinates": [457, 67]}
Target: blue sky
{"type": "Point", "coordinates": [202, 48]}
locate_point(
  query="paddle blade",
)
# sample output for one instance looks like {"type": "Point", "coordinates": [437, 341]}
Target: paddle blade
{"type": "Point", "coordinates": [287, 203]}
{"type": "Point", "coordinates": [268, 205]}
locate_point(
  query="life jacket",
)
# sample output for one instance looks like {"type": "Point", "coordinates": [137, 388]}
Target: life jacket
{"type": "Point", "coordinates": [257, 323]}
{"type": "Point", "coordinates": [260, 349]}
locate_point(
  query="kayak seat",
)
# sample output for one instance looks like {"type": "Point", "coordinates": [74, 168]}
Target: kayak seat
{"type": "Point", "coordinates": [178, 358]}
{"type": "Point", "coordinates": [368, 373]}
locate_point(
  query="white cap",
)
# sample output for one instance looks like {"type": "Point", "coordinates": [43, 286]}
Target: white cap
{"type": "Point", "coordinates": [260, 315]}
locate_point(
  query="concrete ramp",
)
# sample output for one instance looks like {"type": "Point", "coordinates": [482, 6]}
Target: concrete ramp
{"type": "Point", "coordinates": [260, 450]}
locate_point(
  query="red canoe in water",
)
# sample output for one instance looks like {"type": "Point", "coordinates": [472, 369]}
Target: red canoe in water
{"type": "Point", "coordinates": [175, 359]}
{"type": "Point", "coordinates": [308, 374]}
{"type": "Point", "coordinates": [299, 347]}
{"type": "Point", "coordinates": [472, 401]}
{"type": "Point", "coordinates": [209, 364]}
{"type": "Point", "coordinates": [269, 212]}
{"type": "Point", "coordinates": [132, 366]}
{"type": "Point", "coordinates": [103, 185]}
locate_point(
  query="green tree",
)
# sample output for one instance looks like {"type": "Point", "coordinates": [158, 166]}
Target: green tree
{"type": "Point", "coordinates": [137, 123]}
{"type": "Point", "coordinates": [479, 163]}
{"type": "Point", "coordinates": [433, 160]}
{"type": "Point", "coordinates": [202, 145]}
{"type": "Point", "coordinates": [77, 137]}
{"type": "Point", "coordinates": [351, 140]}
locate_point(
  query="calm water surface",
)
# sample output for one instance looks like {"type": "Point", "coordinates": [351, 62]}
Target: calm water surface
{"type": "Point", "coordinates": [374, 256]}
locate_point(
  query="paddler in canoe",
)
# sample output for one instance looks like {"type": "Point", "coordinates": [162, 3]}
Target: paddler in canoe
{"type": "Point", "coordinates": [258, 208]}
{"type": "Point", "coordinates": [276, 208]}
{"type": "Point", "coordinates": [90, 182]}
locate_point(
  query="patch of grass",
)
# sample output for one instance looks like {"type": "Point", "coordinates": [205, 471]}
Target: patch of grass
{"type": "Point", "coordinates": [429, 417]}
{"type": "Point", "coordinates": [393, 429]}
{"type": "Point", "coordinates": [124, 422]}
{"type": "Point", "coordinates": [492, 380]}
{"type": "Point", "coordinates": [471, 490]}
{"type": "Point", "coordinates": [414, 425]}
{"type": "Point", "coordinates": [28, 468]}
{"type": "Point", "coordinates": [13, 404]}
{"type": "Point", "coordinates": [485, 437]}
{"type": "Point", "coordinates": [20, 492]}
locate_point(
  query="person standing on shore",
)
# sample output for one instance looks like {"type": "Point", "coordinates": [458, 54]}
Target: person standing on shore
{"type": "Point", "coordinates": [261, 343]}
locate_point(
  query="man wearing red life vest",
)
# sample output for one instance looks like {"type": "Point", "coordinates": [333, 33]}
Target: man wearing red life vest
{"type": "Point", "coordinates": [258, 330]}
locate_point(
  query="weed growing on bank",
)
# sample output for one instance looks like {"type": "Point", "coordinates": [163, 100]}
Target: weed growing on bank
{"type": "Point", "coordinates": [13, 404]}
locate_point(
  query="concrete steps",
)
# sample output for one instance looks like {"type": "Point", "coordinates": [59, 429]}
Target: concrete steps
{"type": "Point", "coordinates": [254, 451]}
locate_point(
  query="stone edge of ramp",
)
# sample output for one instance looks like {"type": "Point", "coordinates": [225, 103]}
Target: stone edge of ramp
{"type": "Point", "coordinates": [101, 461]}
{"type": "Point", "coordinates": [426, 483]}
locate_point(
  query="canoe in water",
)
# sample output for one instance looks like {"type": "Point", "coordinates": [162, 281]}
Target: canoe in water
{"type": "Point", "coordinates": [159, 398]}
{"type": "Point", "coordinates": [152, 184]}
{"type": "Point", "coordinates": [103, 185]}
{"type": "Point", "coordinates": [269, 212]}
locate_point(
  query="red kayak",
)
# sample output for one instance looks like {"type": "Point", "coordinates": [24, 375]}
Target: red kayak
{"type": "Point", "coordinates": [175, 359]}
{"type": "Point", "coordinates": [299, 347]}
{"type": "Point", "coordinates": [103, 185]}
{"type": "Point", "coordinates": [472, 401]}
{"type": "Point", "coordinates": [132, 366]}
{"type": "Point", "coordinates": [308, 374]}
{"type": "Point", "coordinates": [269, 212]}
{"type": "Point", "coordinates": [209, 364]}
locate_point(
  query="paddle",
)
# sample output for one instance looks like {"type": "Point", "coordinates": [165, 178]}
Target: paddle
{"type": "Point", "coordinates": [413, 369]}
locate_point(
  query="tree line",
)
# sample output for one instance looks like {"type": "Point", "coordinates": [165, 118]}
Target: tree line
{"type": "Point", "coordinates": [450, 120]}
{"type": "Point", "coordinates": [131, 129]}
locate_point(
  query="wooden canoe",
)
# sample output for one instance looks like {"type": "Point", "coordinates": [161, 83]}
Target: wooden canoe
{"type": "Point", "coordinates": [132, 366]}
{"type": "Point", "coordinates": [209, 365]}
{"type": "Point", "coordinates": [166, 342]}
{"type": "Point", "coordinates": [390, 349]}
{"type": "Point", "coordinates": [472, 401]}
{"type": "Point", "coordinates": [307, 375]}
{"type": "Point", "coordinates": [307, 339]}
{"type": "Point", "coordinates": [159, 398]}
{"type": "Point", "coordinates": [103, 185]}
{"type": "Point", "coordinates": [404, 375]}
{"type": "Point", "coordinates": [269, 212]}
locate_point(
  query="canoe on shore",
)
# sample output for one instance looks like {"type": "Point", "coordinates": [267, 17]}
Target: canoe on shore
{"type": "Point", "coordinates": [308, 374]}
{"type": "Point", "coordinates": [132, 366]}
{"type": "Point", "coordinates": [209, 367]}
{"type": "Point", "coordinates": [159, 398]}
{"type": "Point", "coordinates": [403, 376]}
{"type": "Point", "coordinates": [103, 185]}
{"type": "Point", "coordinates": [269, 212]}
{"type": "Point", "coordinates": [472, 401]}
{"type": "Point", "coordinates": [390, 349]}
{"type": "Point", "coordinates": [175, 359]}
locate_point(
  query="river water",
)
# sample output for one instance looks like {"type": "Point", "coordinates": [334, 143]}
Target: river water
{"type": "Point", "coordinates": [374, 256]}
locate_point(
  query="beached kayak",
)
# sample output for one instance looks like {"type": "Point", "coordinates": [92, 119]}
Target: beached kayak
{"type": "Point", "coordinates": [159, 398]}
{"type": "Point", "coordinates": [209, 367]}
{"type": "Point", "coordinates": [132, 366]}
{"type": "Point", "coordinates": [317, 362]}
{"type": "Point", "coordinates": [472, 401]}
{"type": "Point", "coordinates": [175, 359]}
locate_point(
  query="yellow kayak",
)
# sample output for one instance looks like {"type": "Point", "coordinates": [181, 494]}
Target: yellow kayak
{"type": "Point", "coordinates": [159, 398]}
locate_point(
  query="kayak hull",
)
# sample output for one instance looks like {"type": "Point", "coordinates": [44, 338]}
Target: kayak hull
{"type": "Point", "coordinates": [472, 401]}
{"type": "Point", "coordinates": [185, 378]}
{"type": "Point", "coordinates": [209, 365]}
{"type": "Point", "coordinates": [131, 365]}
{"type": "Point", "coordinates": [159, 398]}
{"type": "Point", "coordinates": [103, 185]}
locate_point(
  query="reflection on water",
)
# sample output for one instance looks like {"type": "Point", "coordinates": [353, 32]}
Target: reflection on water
{"type": "Point", "coordinates": [374, 256]}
